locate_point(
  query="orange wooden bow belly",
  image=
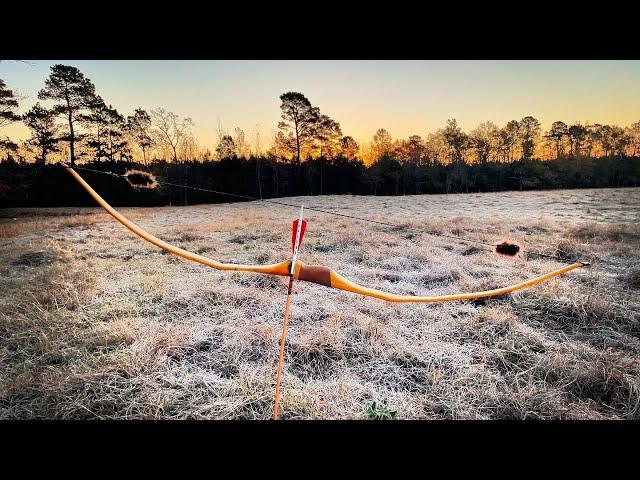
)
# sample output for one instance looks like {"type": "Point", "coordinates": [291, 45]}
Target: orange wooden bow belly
{"type": "Point", "coordinates": [327, 277]}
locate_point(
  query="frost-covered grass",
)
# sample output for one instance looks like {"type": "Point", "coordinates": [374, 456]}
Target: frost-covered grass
{"type": "Point", "coordinates": [94, 323]}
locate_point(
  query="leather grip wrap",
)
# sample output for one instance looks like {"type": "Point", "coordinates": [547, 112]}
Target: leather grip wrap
{"type": "Point", "coordinates": [315, 274]}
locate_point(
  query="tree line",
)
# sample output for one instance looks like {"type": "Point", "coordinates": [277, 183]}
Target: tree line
{"type": "Point", "coordinates": [309, 154]}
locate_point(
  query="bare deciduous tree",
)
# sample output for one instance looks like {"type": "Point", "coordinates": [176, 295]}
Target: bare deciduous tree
{"type": "Point", "coordinates": [189, 148]}
{"type": "Point", "coordinates": [382, 143]}
{"type": "Point", "coordinates": [242, 147]}
{"type": "Point", "coordinates": [170, 130]}
{"type": "Point", "coordinates": [484, 140]}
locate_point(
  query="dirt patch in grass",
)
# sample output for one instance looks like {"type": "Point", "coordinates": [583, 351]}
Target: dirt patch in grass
{"type": "Point", "coordinates": [37, 259]}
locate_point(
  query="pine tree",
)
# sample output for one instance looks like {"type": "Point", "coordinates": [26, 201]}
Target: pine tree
{"type": "Point", "coordinates": [75, 93]}
{"type": "Point", "coordinates": [8, 107]}
{"type": "Point", "coordinates": [139, 127]}
{"type": "Point", "coordinates": [299, 121]}
{"type": "Point", "coordinates": [44, 131]}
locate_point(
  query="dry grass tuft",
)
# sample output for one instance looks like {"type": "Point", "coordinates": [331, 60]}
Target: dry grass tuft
{"type": "Point", "coordinates": [632, 277]}
{"type": "Point", "coordinates": [597, 231]}
{"type": "Point", "coordinates": [571, 250]}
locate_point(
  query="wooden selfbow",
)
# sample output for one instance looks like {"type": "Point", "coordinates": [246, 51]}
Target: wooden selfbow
{"type": "Point", "coordinates": [313, 273]}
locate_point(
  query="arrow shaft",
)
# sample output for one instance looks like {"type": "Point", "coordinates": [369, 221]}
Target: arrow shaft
{"type": "Point", "coordinates": [283, 339]}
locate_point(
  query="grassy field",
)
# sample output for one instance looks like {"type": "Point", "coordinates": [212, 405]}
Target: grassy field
{"type": "Point", "coordinates": [95, 323]}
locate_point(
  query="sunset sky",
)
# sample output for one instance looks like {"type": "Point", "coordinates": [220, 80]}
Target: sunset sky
{"type": "Point", "coordinates": [405, 97]}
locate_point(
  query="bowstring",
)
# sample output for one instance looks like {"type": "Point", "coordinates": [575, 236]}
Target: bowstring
{"type": "Point", "coordinates": [328, 212]}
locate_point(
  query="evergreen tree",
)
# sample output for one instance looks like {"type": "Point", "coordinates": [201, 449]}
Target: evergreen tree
{"type": "Point", "coordinates": [299, 122]}
{"type": "Point", "coordinates": [44, 131]}
{"type": "Point", "coordinates": [8, 107]}
{"type": "Point", "coordinates": [68, 86]}
{"type": "Point", "coordinates": [139, 127]}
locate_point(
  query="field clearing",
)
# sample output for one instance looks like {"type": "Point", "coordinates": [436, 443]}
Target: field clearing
{"type": "Point", "coordinates": [96, 323]}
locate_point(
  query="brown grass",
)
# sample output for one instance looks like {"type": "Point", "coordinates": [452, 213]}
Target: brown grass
{"type": "Point", "coordinates": [632, 277]}
{"type": "Point", "coordinates": [96, 324]}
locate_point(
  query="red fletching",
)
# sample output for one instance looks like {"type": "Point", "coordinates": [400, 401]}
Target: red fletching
{"type": "Point", "coordinates": [295, 230]}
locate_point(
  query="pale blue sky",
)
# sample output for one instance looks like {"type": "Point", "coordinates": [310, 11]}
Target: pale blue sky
{"type": "Point", "coordinates": [405, 97]}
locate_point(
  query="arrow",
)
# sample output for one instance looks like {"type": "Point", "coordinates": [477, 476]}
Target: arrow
{"type": "Point", "coordinates": [297, 232]}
